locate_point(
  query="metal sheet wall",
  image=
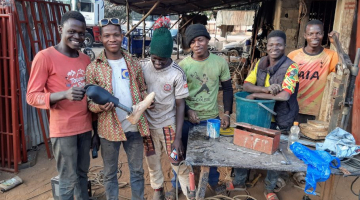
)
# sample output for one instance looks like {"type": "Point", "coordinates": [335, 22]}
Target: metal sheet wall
{"type": "Point", "coordinates": [9, 97]}
{"type": "Point", "coordinates": [26, 27]}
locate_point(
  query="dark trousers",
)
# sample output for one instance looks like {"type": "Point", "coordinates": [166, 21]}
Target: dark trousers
{"type": "Point", "coordinates": [72, 155]}
{"type": "Point", "coordinates": [271, 176]}
{"type": "Point", "coordinates": [213, 174]}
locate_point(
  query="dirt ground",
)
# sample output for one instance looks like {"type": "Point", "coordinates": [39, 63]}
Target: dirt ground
{"type": "Point", "coordinates": [37, 184]}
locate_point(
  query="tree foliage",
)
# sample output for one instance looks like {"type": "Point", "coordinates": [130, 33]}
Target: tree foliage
{"type": "Point", "coordinates": [115, 11]}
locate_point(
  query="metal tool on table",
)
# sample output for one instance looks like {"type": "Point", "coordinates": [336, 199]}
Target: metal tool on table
{"type": "Point", "coordinates": [239, 150]}
{"type": "Point", "coordinates": [287, 162]}
{"type": "Point", "coordinates": [253, 182]}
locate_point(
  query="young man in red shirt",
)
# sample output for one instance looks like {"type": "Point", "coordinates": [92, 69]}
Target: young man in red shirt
{"type": "Point", "coordinates": [56, 82]}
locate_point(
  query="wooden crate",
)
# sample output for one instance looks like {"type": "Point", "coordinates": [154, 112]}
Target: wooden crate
{"type": "Point", "coordinates": [256, 138]}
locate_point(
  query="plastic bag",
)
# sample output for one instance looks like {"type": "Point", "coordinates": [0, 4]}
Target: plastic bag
{"type": "Point", "coordinates": [319, 163]}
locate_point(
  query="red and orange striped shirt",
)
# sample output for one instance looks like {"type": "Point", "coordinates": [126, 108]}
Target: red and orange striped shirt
{"type": "Point", "coordinates": [313, 72]}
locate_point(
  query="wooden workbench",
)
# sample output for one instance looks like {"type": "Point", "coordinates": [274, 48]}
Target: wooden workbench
{"type": "Point", "coordinates": [223, 153]}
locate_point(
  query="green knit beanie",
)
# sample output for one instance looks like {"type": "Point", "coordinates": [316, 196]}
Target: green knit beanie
{"type": "Point", "coordinates": [161, 42]}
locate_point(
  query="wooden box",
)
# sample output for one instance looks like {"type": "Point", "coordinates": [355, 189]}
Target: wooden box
{"type": "Point", "coordinates": [256, 138]}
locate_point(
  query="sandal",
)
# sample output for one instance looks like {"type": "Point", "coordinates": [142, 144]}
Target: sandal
{"type": "Point", "coordinates": [299, 178]}
{"type": "Point", "coordinates": [231, 187]}
{"type": "Point", "coordinates": [271, 196]}
{"type": "Point", "coordinates": [159, 194]}
{"type": "Point", "coordinates": [171, 195]}
{"type": "Point", "coordinates": [279, 184]}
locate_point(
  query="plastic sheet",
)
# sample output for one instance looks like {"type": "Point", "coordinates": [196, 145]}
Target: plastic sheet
{"type": "Point", "coordinates": [319, 163]}
{"type": "Point", "coordinates": [340, 144]}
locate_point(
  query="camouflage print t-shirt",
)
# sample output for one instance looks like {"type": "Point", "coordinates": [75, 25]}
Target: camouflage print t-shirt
{"type": "Point", "coordinates": [203, 78]}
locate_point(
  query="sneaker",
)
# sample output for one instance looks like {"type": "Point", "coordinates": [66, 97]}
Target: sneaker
{"type": "Point", "coordinates": [159, 194]}
{"type": "Point", "coordinates": [269, 195]}
{"type": "Point", "coordinates": [171, 195]}
{"type": "Point", "coordinates": [219, 189]}
{"type": "Point", "coordinates": [230, 186]}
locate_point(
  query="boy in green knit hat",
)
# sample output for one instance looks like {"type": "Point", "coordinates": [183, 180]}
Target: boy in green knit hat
{"type": "Point", "coordinates": [164, 77]}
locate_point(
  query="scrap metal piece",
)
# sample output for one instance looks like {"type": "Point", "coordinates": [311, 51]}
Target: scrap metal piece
{"type": "Point", "coordinates": [287, 162]}
{"type": "Point", "coordinates": [239, 150]}
{"type": "Point", "coordinates": [345, 171]}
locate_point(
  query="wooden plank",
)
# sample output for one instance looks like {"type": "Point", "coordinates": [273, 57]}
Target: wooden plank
{"type": "Point", "coordinates": [338, 105]}
{"type": "Point", "coordinates": [326, 102]}
{"type": "Point", "coordinates": [355, 129]}
{"type": "Point", "coordinates": [204, 178]}
{"type": "Point", "coordinates": [327, 189]}
{"type": "Point", "coordinates": [355, 125]}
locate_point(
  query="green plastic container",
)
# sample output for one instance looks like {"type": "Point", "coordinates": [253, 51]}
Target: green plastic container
{"type": "Point", "coordinates": [253, 111]}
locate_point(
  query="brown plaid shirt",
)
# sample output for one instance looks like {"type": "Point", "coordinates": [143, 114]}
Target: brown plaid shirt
{"type": "Point", "coordinates": [99, 73]}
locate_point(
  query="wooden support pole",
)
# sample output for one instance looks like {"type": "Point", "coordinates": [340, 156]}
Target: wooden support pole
{"type": "Point", "coordinates": [143, 18]}
{"type": "Point", "coordinates": [204, 179]}
{"type": "Point", "coordinates": [152, 26]}
{"type": "Point", "coordinates": [215, 37]}
{"type": "Point", "coordinates": [327, 189]}
{"type": "Point", "coordinates": [178, 45]}
{"type": "Point", "coordinates": [175, 23]}
{"type": "Point", "coordinates": [144, 38]}
{"type": "Point", "coordinates": [128, 24]}
{"type": "Point", "coordinates": [188, 21]}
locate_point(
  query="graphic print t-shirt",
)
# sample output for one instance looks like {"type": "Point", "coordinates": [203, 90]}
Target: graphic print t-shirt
{"type": "Point", "coordinates": [313, 72]}
{"type": "Point", "coordinates": [121, 88]}
{"type": "Point", "coordinates": [168, 84]}
{"type": "Point", "coordinates": [53, 72]}
{"type": "Point", "coordinates": [203, 78]}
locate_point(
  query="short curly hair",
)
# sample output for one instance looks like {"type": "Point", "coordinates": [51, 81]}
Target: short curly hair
{"type": "Point", "coordinates": [314, 22]}
{"type": "Point", "coordinates": [72, 15]}
{"type": "Point", "coordinates": [277, 33]}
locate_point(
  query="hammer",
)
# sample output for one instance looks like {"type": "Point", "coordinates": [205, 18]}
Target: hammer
{"type": "Point", "coordinates": [253, 182]}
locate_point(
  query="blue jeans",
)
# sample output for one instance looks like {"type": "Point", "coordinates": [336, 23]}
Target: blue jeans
{"type": "Point", "coordinates": [271, 176]}
{"type": "Point", "coordinates": [270, 180]}
{"type": "Point", "coordinates": [213, 174]}
{"type": "Point", "coordinates": [72, 155]}
{"type": "Point", "coordinates": [110, 153]}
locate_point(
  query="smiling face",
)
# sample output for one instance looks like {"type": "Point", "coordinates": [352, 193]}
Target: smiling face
{"type": "Point", "coordinates": [275, 47]}
{"type": "Point", "coordinates": [159, 62]}
{"type": "Point", "coordinates": [111, 37]}
{"type": "Point", "coordinates": [314, 35]}
{"type": "Point", "coordinates": [73, 33]}
{"type": "Point", "coordinates": [199, 46]}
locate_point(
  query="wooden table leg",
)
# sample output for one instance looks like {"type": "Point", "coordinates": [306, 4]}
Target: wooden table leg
{"type": "Point", "coordinates": [327, 190]}
{"type": "Point", "coordinates": [204, 178]}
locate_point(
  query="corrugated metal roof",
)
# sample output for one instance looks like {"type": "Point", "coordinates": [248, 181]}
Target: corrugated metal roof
{"type": "Point", "coordinates": [181, 6]}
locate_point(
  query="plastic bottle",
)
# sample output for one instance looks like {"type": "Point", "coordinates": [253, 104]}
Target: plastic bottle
{"type": "Point", "coordinates": [294, 135]}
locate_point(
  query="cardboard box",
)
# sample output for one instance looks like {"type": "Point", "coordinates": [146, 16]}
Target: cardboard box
{"type": "Point", "coordinates": [256, 138]}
